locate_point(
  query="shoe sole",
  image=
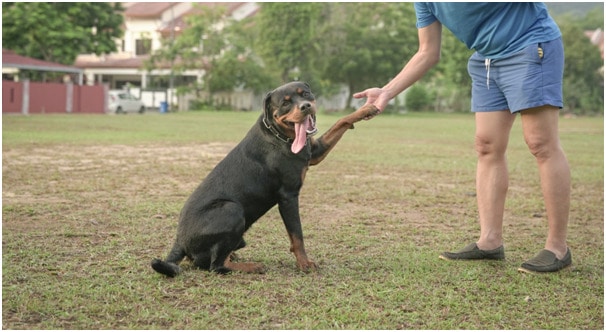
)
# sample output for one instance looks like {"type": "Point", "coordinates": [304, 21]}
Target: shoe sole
{"type": "Point", "coordinates": [468, 260]}
{"type": "Point", "coordinates": [527, 271]}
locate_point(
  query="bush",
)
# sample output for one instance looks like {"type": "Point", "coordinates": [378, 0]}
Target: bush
{"type": "Point", "coordinates": [418, 99]}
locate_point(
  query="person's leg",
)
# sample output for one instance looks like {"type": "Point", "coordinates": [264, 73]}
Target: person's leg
{"type": "Point", "coordinates": [540, 127]}
{"type": "Point", "coordinates": [492, 137]}
{"type": "Point", "coordinates": [493, 124]}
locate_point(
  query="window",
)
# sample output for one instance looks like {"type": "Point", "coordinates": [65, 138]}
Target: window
{"type": "Point", "coordinates": [143, 46]}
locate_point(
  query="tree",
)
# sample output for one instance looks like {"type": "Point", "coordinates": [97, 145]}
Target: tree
{"type": "Point", "coordinates": [219, 46]}
{"type": "Point", "coordinates": [287, 38]}
{"type": "Point", "coordinates": [449, 80]}
{"type": "Point", "coordinates": [59, 31]}
{"type": "Point", "coordinates": [367, 44]}
{"type": "Point", "coordinates": [583, 81]}
{"type": "Point", "coordinates": [238, 66]}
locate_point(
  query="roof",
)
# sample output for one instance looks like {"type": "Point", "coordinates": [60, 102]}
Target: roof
{"type": "Point", "coordinates": [179, 23]}
{"type": "Point", "coordinates": [113, 62]}
{"type": "Point", "coordinates": [148, 9]}
{"type": "Point", "coordinates": [12, 60]}
{"type": "Point", "coordinates": [597, 38]}
{"type": "Point", "coordinates": [109, 61]}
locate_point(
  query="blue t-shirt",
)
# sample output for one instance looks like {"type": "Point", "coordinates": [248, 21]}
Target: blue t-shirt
{"type": "Point", "coordinates": [493, 29]}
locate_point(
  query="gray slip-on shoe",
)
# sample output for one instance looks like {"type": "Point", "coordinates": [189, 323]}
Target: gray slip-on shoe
{"type": "Point", "coordinates": [472, 252]}
{"type": "Point", "coordinates": [546, 261]}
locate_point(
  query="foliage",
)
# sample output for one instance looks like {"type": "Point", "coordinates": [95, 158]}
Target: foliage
{"type": "Point", "coordinates": [366, 44]}
{"type": "Point", "coordinates": [59, 31]}
{"type": "Point", "coordinates": [324, 43]}
{"type": "Point", "coordinates": [287, 38]}
{"type": "Point", "coordinates": [418, 98]}
{"type": "Point", "coordinates": [448, 80]}
{"type": "Point", "coordinates": [216, 45]}
{"type": "Point", "coordinates": [195, 47]}
{"type": "Point", "coordinates": [593, 20]}
{"type": "Point", "coordinates": [238, 66]}
{"type": "Point", "coordinates": [583, 82]}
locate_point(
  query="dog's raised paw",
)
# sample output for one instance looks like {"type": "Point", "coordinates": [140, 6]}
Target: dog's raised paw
{"type": "Point", "coordinates": [372, 110]}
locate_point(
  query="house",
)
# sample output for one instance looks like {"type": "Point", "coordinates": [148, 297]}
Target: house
{"type": "Point", "coordinates": [146, 25]}
{"type": "Point", "coordinates": [597, 38]}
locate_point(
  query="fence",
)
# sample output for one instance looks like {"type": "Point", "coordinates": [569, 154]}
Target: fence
{"type": "Point", "coordinates": [37, 98]}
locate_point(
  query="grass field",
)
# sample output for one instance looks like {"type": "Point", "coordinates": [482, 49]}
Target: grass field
{"type": "Point", "coordinates": [89, 200]}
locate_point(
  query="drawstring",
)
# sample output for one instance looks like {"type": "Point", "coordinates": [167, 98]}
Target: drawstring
{"type": "Point", "coordinates": [487, 64]}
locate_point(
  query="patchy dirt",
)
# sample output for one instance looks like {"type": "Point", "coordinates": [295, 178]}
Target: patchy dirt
{"type": "Point", "coordinates": [60, 164]}
{"type": "Point", "coordinates": [80, 224]}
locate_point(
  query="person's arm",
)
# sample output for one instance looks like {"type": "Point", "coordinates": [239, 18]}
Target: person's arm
{"type": "Point", "coordinates": [427, 56]}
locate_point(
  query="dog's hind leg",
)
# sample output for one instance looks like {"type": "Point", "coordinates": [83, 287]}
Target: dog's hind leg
{"type": "Point", "coordinates": [244, 266]}
{"type": "Point", "coordinates": [223, 264]}
{"type": "Point", "coordinates": [222, 250]}
{"type": "Point", "coordinates": [221, 259]}
{"type": "Point", "coordinates": [169, 267]}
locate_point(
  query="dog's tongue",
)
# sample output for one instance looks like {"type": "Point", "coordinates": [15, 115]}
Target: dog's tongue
{"type": "Point", "coordinates": [300, 135]}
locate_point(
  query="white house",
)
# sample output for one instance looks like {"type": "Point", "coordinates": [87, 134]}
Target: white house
{"type": "Point", "coordinates": [145, 26]}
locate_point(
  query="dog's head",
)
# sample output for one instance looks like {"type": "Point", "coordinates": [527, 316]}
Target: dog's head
{"type": "Point", "coordinates": [291, 109]}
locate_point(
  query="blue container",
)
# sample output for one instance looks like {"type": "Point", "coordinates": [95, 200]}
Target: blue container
{"type": "Point", "coordinates": [163, 107]}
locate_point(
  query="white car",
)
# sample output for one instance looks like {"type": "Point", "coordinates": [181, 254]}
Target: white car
{"type": "Point", "coordinates": [121, 101]}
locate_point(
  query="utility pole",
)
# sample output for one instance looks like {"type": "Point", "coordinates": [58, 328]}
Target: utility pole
{"type": "Point", "coordinates": [172, 57]}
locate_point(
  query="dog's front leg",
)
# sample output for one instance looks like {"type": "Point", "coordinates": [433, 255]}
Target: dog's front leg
{"type": "Point", "coordinates": [289, 210]}
{"type": "Point", "coordinates": [322, 146]}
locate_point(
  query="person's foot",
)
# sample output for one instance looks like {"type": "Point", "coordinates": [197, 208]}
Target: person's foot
{"type": "Point", "coordinates": [471, 252]}
{"type": "Point", "coordinates": [546, 261]}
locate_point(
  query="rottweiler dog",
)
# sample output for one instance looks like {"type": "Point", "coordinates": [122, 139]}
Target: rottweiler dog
{"type": "Point", "coordinates": [266, 168]}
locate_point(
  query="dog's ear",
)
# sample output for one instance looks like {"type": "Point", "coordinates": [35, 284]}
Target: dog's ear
{"type": "Point", "coordinates": [267, 105]}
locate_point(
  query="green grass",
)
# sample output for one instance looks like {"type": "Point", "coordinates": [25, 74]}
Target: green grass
{"type": "Point", "coordinates": [89, 200]}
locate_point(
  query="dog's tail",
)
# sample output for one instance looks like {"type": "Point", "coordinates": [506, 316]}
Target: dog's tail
{"type": "Point", "coordinates": [169, 267]}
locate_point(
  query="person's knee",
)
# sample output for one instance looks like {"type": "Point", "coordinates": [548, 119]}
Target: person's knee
{"type": "Point", "coordinates": [540, 147]}
{"type": "Point", "coordinates": [488, 147]}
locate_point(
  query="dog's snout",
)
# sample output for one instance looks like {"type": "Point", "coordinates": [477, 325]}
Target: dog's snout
{"type": "Point", "coordinates": [306, 107]}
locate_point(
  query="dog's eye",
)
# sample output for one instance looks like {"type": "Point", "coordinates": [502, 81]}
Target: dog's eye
{"type": "Point", "coordinates": [286, 102]}
{"type": "Point", "coordinates": [307, 94]}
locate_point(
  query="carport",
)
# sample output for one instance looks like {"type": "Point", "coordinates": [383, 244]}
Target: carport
{"type": "Point", "coordinates": [12, 63]}
{"type": "Point", "coordinates": [47, 97]}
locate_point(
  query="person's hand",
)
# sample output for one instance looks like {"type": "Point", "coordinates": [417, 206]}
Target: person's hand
{"type": "Point", "coordinates": [374, 96]}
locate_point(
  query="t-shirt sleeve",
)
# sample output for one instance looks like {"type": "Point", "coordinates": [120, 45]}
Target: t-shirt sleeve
{"type": "Point", "coordinates": [424, 16]}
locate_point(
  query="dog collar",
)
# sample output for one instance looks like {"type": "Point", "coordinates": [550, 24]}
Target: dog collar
{"type": "Point", "coordinates": [274, 131]}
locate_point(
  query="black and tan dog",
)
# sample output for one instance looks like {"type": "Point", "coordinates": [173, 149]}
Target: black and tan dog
{"type": "Point", "coordinates": [266, 168]}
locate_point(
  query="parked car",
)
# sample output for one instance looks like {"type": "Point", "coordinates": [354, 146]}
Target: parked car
{"type": "Point", "coordinates": [121, 101]}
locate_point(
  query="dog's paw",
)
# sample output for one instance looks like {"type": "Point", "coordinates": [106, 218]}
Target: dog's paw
{"type": "Point", "coordinates": [372, 110]}
{"type": "Point", "coordinates": [367, 112]}
{"type": "Point", "coordinates": [308, 266]}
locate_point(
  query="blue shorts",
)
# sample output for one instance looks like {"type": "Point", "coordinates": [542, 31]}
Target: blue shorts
{"type": "Point", "coordinates": [523, 80]}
